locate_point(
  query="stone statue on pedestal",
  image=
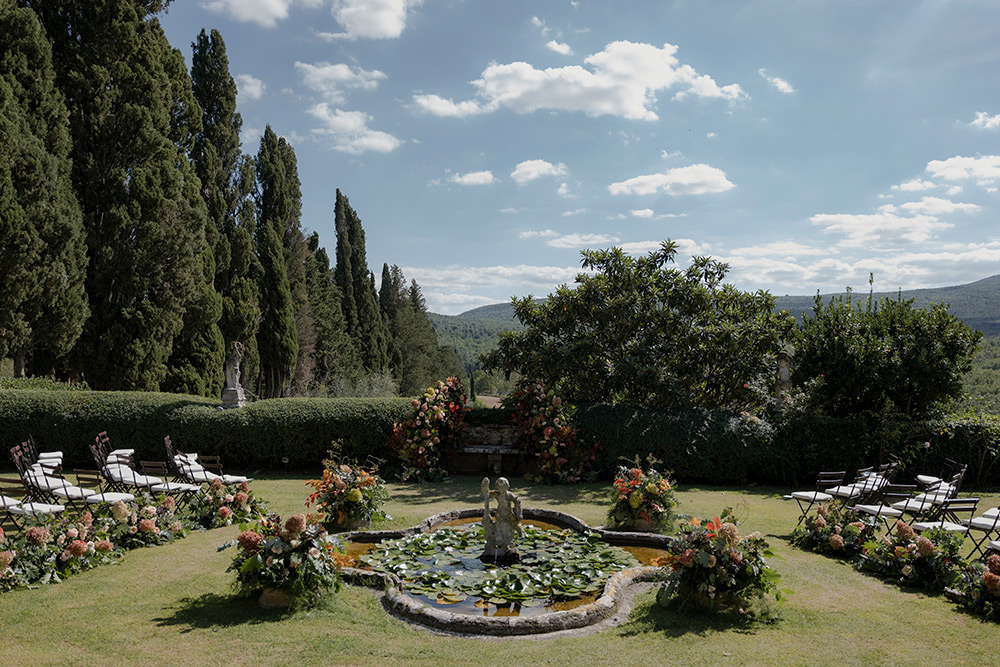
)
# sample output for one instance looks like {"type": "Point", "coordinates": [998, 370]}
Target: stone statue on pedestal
{"type": "Point", "coordinates": [501, 526]}
{"type": "Point", "coordinates": [232, 395]}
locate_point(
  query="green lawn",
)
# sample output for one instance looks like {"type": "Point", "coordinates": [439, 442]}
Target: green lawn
{"type": "Point", "coordinates": [172, 605]}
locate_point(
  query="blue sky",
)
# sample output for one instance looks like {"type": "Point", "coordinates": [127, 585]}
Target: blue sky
{"type": "Point", "coordinates": [484, 143]}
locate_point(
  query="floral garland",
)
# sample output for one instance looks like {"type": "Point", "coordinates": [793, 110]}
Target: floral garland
{"type": "Point", "coordinates": [930, 561]}
{"type": "Point", "coordinates": [348, 496]}
{"type": "Point", "coordinates": [642, 500]}
{"type": "Point", "coordinates": [836, 530]}
{"type": "Point", "coordinates": [225, 504]}
{"type": "Point", "coordinates": [978, 589]}
{"type": "Point", "coordinates": [296, 557]}
{"type": "Point", "coordinates": [711, 567]}
{"type": "Point", "coordinates": [543, 423]}
{"type": "Point", "coordinates": [436, 418]}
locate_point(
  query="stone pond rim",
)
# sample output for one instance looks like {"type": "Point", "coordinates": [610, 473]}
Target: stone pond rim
{"type": "Point", "coordinates": [399, 603]}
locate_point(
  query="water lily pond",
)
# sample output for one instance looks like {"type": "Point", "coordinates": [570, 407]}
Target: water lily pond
{"type": "Point", "coordinates": [559, 569]}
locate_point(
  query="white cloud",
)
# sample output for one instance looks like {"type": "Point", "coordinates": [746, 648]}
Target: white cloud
{"type": "Point", "coordinates": [563, 190]}
{"type": "Point", "coordinates": [567, 214]}
{"type": "Point", "coordinates": [348, 131]}
{"type": "Point", "coordinates": [882, 229]}
{"type": "Point", "coordinates": [787, 250]}
{"type": "Point", "coordinates": [954, 190]}
{"type": "Point", "coordinates": [540, 234]}
{"type": "Point", "coordinates": [249, 87]}
{"type": "Point", "coordinates": [642, 213]}
{"type": "Point", "coordinates": [984, 121]}
{"type": "Point", "coordinates": [265, 13]}
{"type": "Point", "coordinates": [370, 19]}
{"type": "Point", "coordinates": [539, 25]}
{"type": "Point", "coordinates": [640, 247]}
{"type": "Point", "coordinates": [711, 135]}
{"type": "Point", "coordinates": [666, 155]}
{"type": "Point", "coordinates": [249, 136]}
{"type": "Point", "coordinates": [474, 178]}
{"type": "Point", "coordinates": [529, 170]}
{"type": "Point", "coordinates": [695, 179]}
{"type": "Point", "coordinates": [915, 185]}
{"type": "Point", "coordinates": [985, 169]}
{"type": "Point", "coordinates": [622, 81]}
{"type": "Point", "coordinates": [777, 82]}
{"type": "Point", "coordinates": [583, 241]}
{"type": "Point", "coordinates": [560, 48]}
{"type": "Point", "coordinates": [454, 288]}
{"type": "Point", "coordinates": [686, 248]}
{"type": "Point", "coordinates": [333, 80]}
{"type": "Point", "coordinates": [937, 206]}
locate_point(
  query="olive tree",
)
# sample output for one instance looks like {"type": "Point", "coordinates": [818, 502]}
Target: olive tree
{"type": "Point", "coordinates": [637, 330]}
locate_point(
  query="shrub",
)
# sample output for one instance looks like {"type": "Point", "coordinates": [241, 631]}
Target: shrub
{"type": "Point", "coordinates": [544, 432]}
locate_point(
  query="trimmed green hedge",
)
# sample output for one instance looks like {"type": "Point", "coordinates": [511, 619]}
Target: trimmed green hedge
{"type": "Point", "coordinates": [259, 436]}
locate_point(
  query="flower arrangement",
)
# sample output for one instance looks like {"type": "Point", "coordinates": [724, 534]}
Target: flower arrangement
{"type": "Point", "coordinates": [348, 496]}
{"type": "Point", "coordinates": [836, 531]}
{"type": "Point", "coordinates": [711, 567]}
{"type": "Point", "coordinates": [542, 420]}
{"type": "Point", "coordinates": [978, 589]}
{"type": "Point", "coordinates": [50, 549]}
{"type": "Point", "coordinates": [295, 557]}
{"type": "Point", "coordinates": [642, 500]}
{"type": "Point", "coordinates": [930, 561]}
{"type": "Point", "coordinates": [131, 526]}
{"type": "Point", "coordinates": [225, 504]}
{"type": "Point", "coordinates": [433, 424]}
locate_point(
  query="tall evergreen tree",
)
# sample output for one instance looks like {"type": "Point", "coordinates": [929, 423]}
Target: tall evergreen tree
{"type": "Point", "coordinates": [43, 259]}
{"type": "Point", "coordinates": [335, 354]}
{"type": "Point", "coordinates": [132, 123]}
{"type": "Point", "coordinates": [359, 299]}
{"type": "Point", "coordinates": [276, 338]}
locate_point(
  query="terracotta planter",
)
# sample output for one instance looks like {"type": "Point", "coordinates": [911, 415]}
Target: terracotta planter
{"type": "Point", "coordinates": [274, 598]}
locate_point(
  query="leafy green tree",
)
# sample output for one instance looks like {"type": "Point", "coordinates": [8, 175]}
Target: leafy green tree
{"type": "Point", "coordinates": [635, 331]}
{"type": "Point", "coordinates": [276, 339]}
{"type": "Point", "coordinates": [132, 125]}
{"type": "Point", "coordinates": [42, 267]}
{"type": "Point", "coordinates": [883, 354]}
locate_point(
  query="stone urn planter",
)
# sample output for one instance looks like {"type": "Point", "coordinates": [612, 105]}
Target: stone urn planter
{"type": "Point", "coordinates": [347, 526]}
{"type": "Point", "coordinates": [274, 598]}
{"type": "Point", "coordinates": [643, 526]}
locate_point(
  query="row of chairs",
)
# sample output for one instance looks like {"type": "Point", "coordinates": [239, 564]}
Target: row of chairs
{"type": "Point", "coordinates": [43, 489]}
{"type": "Point", "coordinates": [931, 503]}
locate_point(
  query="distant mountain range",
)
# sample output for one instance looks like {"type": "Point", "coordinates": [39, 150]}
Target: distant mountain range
{"type": "Point", "coordinates": [475, 331]}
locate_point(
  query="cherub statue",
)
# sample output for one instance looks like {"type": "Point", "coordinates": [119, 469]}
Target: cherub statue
{"type": "Point", "coordinates": [502, 525]}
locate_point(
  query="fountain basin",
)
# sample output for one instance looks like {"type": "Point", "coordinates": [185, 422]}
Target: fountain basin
{"type": "Point", "coordinates": [604, 607]}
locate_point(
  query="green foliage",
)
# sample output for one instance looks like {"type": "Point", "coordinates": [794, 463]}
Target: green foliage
{"type": "Point", "coordinates": [978, 590]}
{"type": "Point", "coordinates": [280, 434]}
{"type": "Point", "coordinates": [982, 384]}
{"type": "Point", "coordinates": [885, 355]}
{"type": "Point", "coordinates": [634, 331]}
{"type": "Point", "coordinates": [48, 384]}
{"type": "Point", "coordinates": [43, 262]}
{"type": "Point", "coordinates": [555, 565]}
{"type": "Point", "coordinates": [133, 123]}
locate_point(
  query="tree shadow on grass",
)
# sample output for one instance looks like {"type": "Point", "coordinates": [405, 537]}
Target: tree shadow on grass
{"type": "Point", "coordinates": [672, 622]}
{"type": "Point", "coordinates": [211, 610]}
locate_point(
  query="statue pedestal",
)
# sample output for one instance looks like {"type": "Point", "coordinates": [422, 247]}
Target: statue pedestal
{"type": "Point", "coordinates": [233, 397]}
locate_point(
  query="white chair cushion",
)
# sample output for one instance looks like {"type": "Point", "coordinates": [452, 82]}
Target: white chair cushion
{"type": "Point", "coordinates": [239, 479]}
{"type": "Point", "coordinates": [173, 487]}
{"type": "Point", "coordinates": [921, 526]}
{"type": "Point", "coordinates": [123, 452]}
{"type": "Point", "coordinates": [847, 491]}
{"type": "Point", "coordinates": [71, 492]}
{"type": "Point", "coordinates": [109, 497]}
{"type": "Point", "coordinates": [912, 505]}
{"type": "Point", "coordinates": [201, 475]}
{"type": "Point", "coordinates": [6, 502]}
{"type": "Point", "coordinates": [25, 509]}
{"type": "Point", "coordinates": [127, 475]}
{"type": "Point", "coordinates": [812, 496]}
{"type": "Point", "coordinates": [991, 512]}
{"type": "Point", "coordinates": [927, 480]}
{"type": "Point", "coordinates": [878, 510]}
{"type": "Point", "coordinates": [994, 545]}
{"type": "Point", "coordinates": [44, 482]}
{"type": "Point", "coordinates": [984, 523]}
{"type": "Point", "coordinates": [934, 498]}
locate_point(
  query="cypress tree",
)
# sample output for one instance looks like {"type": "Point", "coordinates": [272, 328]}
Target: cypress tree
{"type": "Point", "coordinates": [227, 186]}
{"type": "Point", "coordinates": [335, 354]}
{"type": "Point", "coordinates": [43, 259]}
{"type": "Point", "coordinates": [343, 271]}
{"type": "Point", "coordinates": [132, 121]}
{"type": "Point", "coordinates": [276, 338]}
